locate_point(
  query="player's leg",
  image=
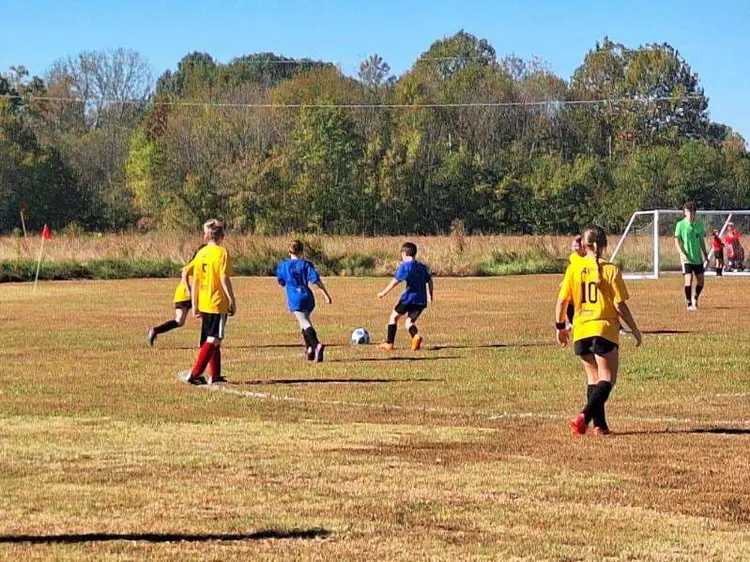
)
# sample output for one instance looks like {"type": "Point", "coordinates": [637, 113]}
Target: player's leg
{"type": "Point", "coordinates": [214, 363]}
{"type": "Point", "coordinates": [581, 421]}
{"type": "Point", "coordinates": [390, 336]}
{"type": "Point", "coordinates": [608, 363]}
{"type": "Point", "coordinates": [180, 313]}
{"type": "Point", "coordinates": [209, 329]}
{"type": "Point", "coordinates": [411, 326]}
{"type": "Point", "coordinates": [699, 282]}
{"type": "Point", "coordinates": [688, 276]}
{"type": "Point", "coordinates": [308, 333]}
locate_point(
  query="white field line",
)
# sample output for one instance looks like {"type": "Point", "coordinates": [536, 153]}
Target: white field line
{"type": "Point", "coordinates": [443, 411]}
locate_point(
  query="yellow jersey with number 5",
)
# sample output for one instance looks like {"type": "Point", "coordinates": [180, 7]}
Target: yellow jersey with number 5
{"type": "Point", "coordinates": [594, 291]}
{"type": "Point", "coordinates": [210, 264]}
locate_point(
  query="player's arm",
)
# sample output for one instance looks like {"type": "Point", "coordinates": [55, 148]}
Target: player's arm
{"type": "Point", "coordinates": [226, 284]}
{"type": "Point", "coordinates": [280, 276]}
{"type": "Point", "coordinates": [680, 247]}
{"type": "Point", "coordinates": [194, 298]}
{"type": "Point", "coordinates": [388, 288]}
{"type": "Point", "coordinates": [623, 311]}
{"type": "Point", "coordinates": [323, 289]}
{"type": "Point", "coordinates": [560, 320]}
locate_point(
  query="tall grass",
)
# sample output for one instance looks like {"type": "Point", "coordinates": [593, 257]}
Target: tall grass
{"type": "Point", "coordinates": [110, 256]}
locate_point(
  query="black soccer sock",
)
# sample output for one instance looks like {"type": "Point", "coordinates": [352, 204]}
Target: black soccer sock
{"type": "Point", "coordinates": [391, 335]}
{"type": "Point", "coordinates": [167, 326]}
{"type": "Point", "coordinates": [306, 338]}
{"type": "Point", "coordinates": [597, 398]}
{"type": "Point", "coordinates": [689, 294]}
{"type": "Point", "coordinates": [604, 388]}
{"type": "Point", "coordinates": [698, 291]}
{"type": "Point", "coordinates": [312, 337]}
{"type": "Point", "coordinates": [413, 330]}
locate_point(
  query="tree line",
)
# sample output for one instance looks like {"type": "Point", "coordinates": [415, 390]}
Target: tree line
{"type": "Point", "coordinates": [463, 139]}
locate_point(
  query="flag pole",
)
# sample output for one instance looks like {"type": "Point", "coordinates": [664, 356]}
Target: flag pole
{"type": "Point", "coordinates": [38, 265]}
{"type": "Point", "coordinates": [45, 235]}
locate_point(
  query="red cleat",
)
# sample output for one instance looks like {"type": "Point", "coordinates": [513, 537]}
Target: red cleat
{"type": "Point", "coordinates": [578, 425]}
{"type": "Point", "coordinates": [601, 432]}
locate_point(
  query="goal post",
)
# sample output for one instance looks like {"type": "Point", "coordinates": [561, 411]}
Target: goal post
{"type": "Point", "coordinates": [646, 250]}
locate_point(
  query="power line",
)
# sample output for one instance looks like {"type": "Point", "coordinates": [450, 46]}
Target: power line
{"type": "Point", "coordinates": [550, 103]}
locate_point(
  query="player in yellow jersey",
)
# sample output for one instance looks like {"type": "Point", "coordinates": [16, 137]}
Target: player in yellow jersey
{"type": "Point", "coordinates": [182, 304]}
{"type": "Point", "coordinates": [598, 293]}
{"type": "Point", "coordinates": [212, 299]}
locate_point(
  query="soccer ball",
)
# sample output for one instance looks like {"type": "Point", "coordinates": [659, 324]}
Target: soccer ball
{"type": "Point", "coordinates": [360, 336]}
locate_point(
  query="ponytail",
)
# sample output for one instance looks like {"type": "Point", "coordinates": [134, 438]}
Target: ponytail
{"type": "Point", "coordinates": [595, 240]}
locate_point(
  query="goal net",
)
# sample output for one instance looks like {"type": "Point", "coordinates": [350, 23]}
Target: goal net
{"type": "Point", "coordinates": [647, 249]}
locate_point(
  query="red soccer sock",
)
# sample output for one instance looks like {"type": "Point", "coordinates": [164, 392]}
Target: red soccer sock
{"type": "Point", "coordinates": [204, 356]}
{"type": "Point", "coordinates": [214, 364]}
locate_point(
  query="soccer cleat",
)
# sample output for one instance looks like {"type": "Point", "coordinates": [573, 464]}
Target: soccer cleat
{"type": "Point", "coordinates": [578, 425]}
{"type": "Point", "coordinates": [217, 379]}
{"type": "Point", "coordinates": [601, 432]}
{"type": "Point", "coordinates": [190, 379]}
{"type": "Point", "coordinates": [151, 336]}
{"type": "Point", "coordinates": [385, 346]}
{"type": "Point", "coordinates": [692, 308]}
{"type": "Point", "coordinates": [318, 355]}
{"type": "Point", "coordinates": [310, 354]}
{"type": "Point", "coordinates": [416, 342]}
{"type": "Point", "coordinates": [695, 304]}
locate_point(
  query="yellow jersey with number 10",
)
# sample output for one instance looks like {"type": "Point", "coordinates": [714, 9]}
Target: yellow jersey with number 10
{"type": "Point", "coordinates": [594, 291]}
{"type": "Point", "coordinates": [210, 264]}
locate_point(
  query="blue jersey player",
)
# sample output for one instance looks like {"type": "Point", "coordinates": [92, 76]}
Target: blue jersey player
{"type": "Point", "coordinates": [414, 298]}
{"type": "Point", "coordinates": [295, 274]}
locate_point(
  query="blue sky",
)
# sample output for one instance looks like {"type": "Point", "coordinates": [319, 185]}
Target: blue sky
{"type": "Point", "coordinates": [714, 36]}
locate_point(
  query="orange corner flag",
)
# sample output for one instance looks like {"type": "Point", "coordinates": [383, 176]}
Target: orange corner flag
{"type": "Point", "coordinates": [46, 234]}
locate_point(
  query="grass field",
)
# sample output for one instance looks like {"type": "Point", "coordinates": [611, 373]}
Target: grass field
{"type": "Point", "coordinates": [460, 451]}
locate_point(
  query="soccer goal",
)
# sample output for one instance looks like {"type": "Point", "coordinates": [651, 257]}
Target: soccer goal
{"type": "Point", "coordinates": [646, 249]}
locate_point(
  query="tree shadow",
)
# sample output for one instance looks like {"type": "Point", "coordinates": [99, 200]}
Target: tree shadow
{"type": "Point", "coordinates": [489, 345]}
{"type": "Point", "coordinates": [260, 382]}
{"type": "Point", "coordinates": [688, 431]}
{"type": "Point", "coordinates": [396, 358]}
{"type": "Point", "coordinates": [165, 537]}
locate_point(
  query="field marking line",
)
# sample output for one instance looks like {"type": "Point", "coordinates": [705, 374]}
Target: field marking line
{"type": "Point", "coordinates": [444, 411]}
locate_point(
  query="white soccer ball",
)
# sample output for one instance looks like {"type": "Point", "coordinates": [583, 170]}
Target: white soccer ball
{"type": "Point", "coordinates": [360, 336]}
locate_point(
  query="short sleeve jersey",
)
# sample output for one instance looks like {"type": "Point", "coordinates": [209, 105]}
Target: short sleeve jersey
{"type": "Point", "coordinates": [210, 264]}
{"type": "Point", "coordinates": [594, 303]}
{"type": "Point", "coordinates": [416, 275]}
{"type": "Point", "coordinates": [691, 234]}
{"type": "Point", "coordinates": [181, 293]}
{"type": "Point", "coordinates": [295, 275]}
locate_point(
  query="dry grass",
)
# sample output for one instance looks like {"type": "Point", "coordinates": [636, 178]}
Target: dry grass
{"type": "Point", "coordinates": [446, 255]}
{"type": "Point", "coordinates": [461, 451]}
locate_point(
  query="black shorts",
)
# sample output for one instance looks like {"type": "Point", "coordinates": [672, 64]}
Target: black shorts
{"type": "Point", "coordinates": [694, 268]}
{"type": "Point", "coordinates": [594, 346]}
{"type": "Point", "coordinates": [185, 305]}
{"type": "Point", "coordinates": [212, 326]}
{"type": "Point", "coordinates": [412, 310]}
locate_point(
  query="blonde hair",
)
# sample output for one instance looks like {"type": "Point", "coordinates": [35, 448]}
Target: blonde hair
{"type": "Point", "coordinates": [595, 239]}
{"type": "Point", "coordinates": [213, 229]}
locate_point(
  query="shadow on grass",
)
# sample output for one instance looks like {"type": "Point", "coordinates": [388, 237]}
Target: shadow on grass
{"type": "Point", "coordinates": [261, 346]}
{"type": "Point", "coordinates": [688, 431]}
{"type": "Point", "coordinates": [260, 382]}
{"type": "Point", "coordinates": [165, 537]}
{"type": "Point", "coordinates": [491, 345]}
{"type": "Point", "coordinates": [666, 332]}
{"type": "Point", "coordinates": [396, 358]}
